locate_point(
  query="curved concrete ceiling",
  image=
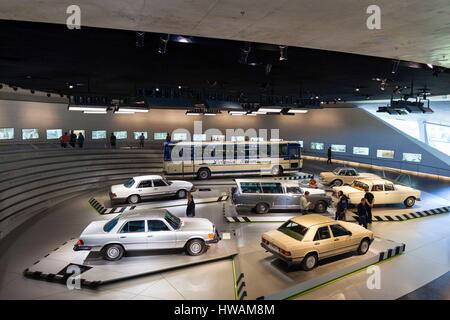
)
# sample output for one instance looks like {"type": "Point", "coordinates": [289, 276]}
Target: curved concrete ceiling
{"type": "Point", "coordinates": [412, 30]}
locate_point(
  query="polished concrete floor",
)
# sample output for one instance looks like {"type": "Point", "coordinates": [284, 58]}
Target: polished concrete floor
{"type": "Point", "coordinates": [427, 258]}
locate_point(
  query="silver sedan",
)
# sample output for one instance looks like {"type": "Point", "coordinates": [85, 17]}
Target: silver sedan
{"type": "Point", "coordinates": [155, 230]}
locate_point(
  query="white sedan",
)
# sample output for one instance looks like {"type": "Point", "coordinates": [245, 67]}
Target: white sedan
{"type": "Point", "coordinates": [149, 187]}
{"type": "Point", "coordinates": [385, 192]}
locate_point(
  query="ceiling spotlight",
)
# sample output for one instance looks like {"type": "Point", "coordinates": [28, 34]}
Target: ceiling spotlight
{"type": "Point", "coordinates": [245, 52]}
{"type": "Point", "coordinates": [357, 89]}
{"type": "Point", "coordinates": [163, 40]}
{"type": "Point", "coordinates": [157, 89]}
{"type": "Point", "coordinates": [179, 87]}
{"type": "Point", "coordinates": [71, 86]}
{"type": "Point", "coordinates": [283, 53]}
{"type": "Point", "coordinates": [395, 66]}
{"type": "Point", "coordinates": [430, 65]}
{"type": "Point", "coordinates": [49, 95]}
{"type": "Point", "coordinates": [32, 91]}
{"type": "Point", "coordinates": [140, 39]}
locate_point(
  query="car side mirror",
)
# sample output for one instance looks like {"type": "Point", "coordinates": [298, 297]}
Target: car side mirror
{"type": "Point", "coordinates": [350, 233]}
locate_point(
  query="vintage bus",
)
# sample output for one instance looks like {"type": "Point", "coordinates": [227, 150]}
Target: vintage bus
{"type": "Point", "coordinates": [206, 159]}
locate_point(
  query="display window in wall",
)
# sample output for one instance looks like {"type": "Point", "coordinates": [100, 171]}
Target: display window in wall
{"type": "Point", "coordinates": [300, 142]}
{"type": "Point", "coordinates": [338, 148]}
{"type": "Point", "coordinates": [412, 157]}
{"type": "Point", "coordinates": [78, 131]}
{"type": "Point", "coordinates": [160, 135]}
{"type": "Point", "coordinates": [199, 137]}
{"type": "Point", "coordinates": [238, 138]}
{"type": "Point", "coordinates": [317, 146]}
{"type": "Point", "coordinates": [217, 137]}
{"type": "Point", "coordinates": [30, 134]}
{"type": "Point", "coordinates": [362, 151]}
{"type": "Point", "coordinates": [180, 136]}
{"type": "Point", "coordinates": [439, 136]}
{"type": "Point", "coordinates": [256, 139]}
{"type": "Point", "coordinates": [387, 154]}
{"type": "Point", "coordinates": [137, 135]}
{"type": "Point", "coordinates": [98, 134]}
{"type": "Point", "coordinates": [6, 133]}
{"type": "Point", "coordinates": [121, 135]}
{"type": "Point", "coordinates": [54, 134]}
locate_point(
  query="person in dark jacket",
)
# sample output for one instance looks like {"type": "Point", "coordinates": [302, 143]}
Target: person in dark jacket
{"type": "Point", "coordinates": [112, 140]}
{"type": "Point", "coordinates": [362, 213]}
{"type": "Point", "coordinates": [73, 139]}
{"type": "Point", "coordinates": [168, 137]}
{"type": "Point", "coordinates": [190, 209]}
{"type": "Point", "coordinates": [370, 201]}
{"type": "Point", "coordinates": [80, 140]}
{"type": "Point", "coordinates": [141, 140]}
{"type": "Point", "coordinates": [329, 155]}
{"type": "Point", "coordinates": [341, 207]}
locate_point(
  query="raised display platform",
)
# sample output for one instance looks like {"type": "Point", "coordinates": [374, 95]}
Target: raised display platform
{"type": "Point", "coordinates": [95, 271]}
{"type": "Point", "coordinates": [271, 279]}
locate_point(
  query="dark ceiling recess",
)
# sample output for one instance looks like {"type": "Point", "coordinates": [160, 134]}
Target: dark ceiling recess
{"type": "Point", "coordinates": [129, 64]}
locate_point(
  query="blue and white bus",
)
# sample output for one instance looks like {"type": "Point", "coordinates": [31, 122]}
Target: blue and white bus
{"type": "Point", "coordinates": [206, 159]}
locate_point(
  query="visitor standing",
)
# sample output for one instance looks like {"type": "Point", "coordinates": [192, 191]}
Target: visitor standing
{"type": "Point", "coordinates": [190, 209]}
{"type": "Point", "coordinates": [141, 140]}
{"type": "Point", "coordinates": [168, 137]}
{"type": "Point", "coordinates": [64, 139]}
{"type": "Point", "coordinates": [312, 182]}
{"type": "Point", "coordinates": [370, 201]}
{"type": "Point", "coordinates": [304, 203]}
{"type": "Point", "coordinates": [362, 213]}
{"type": "Point", "coordinates": [329, 155]}
{"type": "Point", "coordinates": [341, 206]}
{"type": "Point", "coordinates": [73, 139]}
{"type": "Point", "coordinates": [80, 140]}
{"type": "Point", "coordinates": [112, 140]}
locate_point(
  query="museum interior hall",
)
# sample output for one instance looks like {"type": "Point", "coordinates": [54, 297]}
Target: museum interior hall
{"type": "Point", "coordinates": [224, 150]}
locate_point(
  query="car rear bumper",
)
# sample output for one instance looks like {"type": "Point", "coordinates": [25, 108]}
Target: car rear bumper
{"type": "Point", "coordinates": [81, 248]}
{"type": "Point", "coordinates": [279, 255]}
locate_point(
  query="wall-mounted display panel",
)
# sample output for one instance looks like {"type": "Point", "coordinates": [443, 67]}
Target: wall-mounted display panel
{"type": "Point", "coordinates": [300, 142]}
{"type": "Point", "coordinates": [30, 134]}
{"type": "Point", "coordinates": [160, 135]}
{"type": "Point", "coordinates": [338, 148]}
{"type": "Point", "coordinates": [6, 133]}
{"type": "Point", "coordinates": [412, 157]}
{"type": "Point", "coordinates": [137, 135]}
{"type": "Point", "coordinates": [237, 138]}
{"type": "Point", "coordinates": [199, 137]}
{"type": "Point", "coordinates": [54, 134]}
{"type": "Point", "coordinates": [317, 146]}
{"type": "Point", "coordinates": [362, 151]}
{"type": "Point", "coordinates": [256, 139]}
{"type": "Point", "coordinates": [78, 131]}
{"type": "Point", "coordinates": [98, 134]}
{"type": "Point", "coordinates": [387, 154]}
{"type": "Point", "coordinates": [121, 135]}
{"type": "Point", "coordinates": [180, 136]}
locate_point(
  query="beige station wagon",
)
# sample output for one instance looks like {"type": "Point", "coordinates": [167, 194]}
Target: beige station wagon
{"type": "Point", "coordinates": [310, 238]}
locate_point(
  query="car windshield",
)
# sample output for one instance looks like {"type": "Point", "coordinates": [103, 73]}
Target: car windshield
{"type": "Point", "coordinates": [336, 171]}
{"type": "Point", "coordinates": [360, 185]}
{"type": "Point", "coordinates": [111, 224]}
{"type": "Point", "coordinates": [293, 230]}
{"type": "Point", "coordinates": [174, 221]}
{"type": "Point", "coordinates": [129, 183]}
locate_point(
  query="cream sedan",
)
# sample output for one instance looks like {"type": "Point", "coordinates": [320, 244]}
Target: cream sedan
{"type": "Point", "coordinates": [341, 176]}
{"type": "Point", "coordinates": [384, 191]}
{"type": "Point", "coordinates": [310, 238]}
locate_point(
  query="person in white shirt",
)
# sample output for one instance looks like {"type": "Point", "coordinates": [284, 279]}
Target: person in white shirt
{"type": "Point", "coordinates": [304, 203]}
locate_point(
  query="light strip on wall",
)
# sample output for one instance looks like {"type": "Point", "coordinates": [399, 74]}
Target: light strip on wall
{"type": "Point", "coordinates": [189, 113]}
{"type": "Point", "coordinates": [74, 108]}
{"type": "Point", "coordinates": [237, 113]}
{"type": "Point", "coordinates": [297, 111]}
{"type": "Point", "coordinates": [124, 112]}
{"type": "Point", "coordinates": [133, 110]}
{"type": "Point", "coordinates": [269, 110]}
{"type": "Point", "coordinates": [95, 112]}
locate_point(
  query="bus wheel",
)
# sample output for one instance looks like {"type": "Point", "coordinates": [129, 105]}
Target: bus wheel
{"type": "Point", "coordinates": [277, 170]}
{"type": "Point", "coordinates": [203, 174]}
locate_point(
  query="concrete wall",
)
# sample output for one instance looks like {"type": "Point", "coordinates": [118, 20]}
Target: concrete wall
{"type": "Point", "coordinates": [349, 126]}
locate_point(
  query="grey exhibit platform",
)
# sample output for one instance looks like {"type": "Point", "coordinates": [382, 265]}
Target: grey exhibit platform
{"type": "Point", "coordinates": [270, 278]}
{"type": "Point", "coordinates": [95, 271]}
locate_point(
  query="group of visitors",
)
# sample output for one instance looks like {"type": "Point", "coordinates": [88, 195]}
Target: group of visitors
{"type": "Point", "coordinates": [72, 139]}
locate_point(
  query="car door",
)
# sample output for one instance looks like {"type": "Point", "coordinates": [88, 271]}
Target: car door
{"type": "Point", "coordinates": [323, 243]}
{"type": "Point", "coordinates": [160, 235]}
{"type": "Point", "coordinates": [343, 241]}
{"type": "Point", "coordinates": [391, 195]}
{"type": "Point", "coordinates": [379, 194]}
{"type": "Point", "coordinates": [133, 235]}
{"type": "Point", "coordinates": [145, 189]}
{"type": "Point", "coordinates": [161, 188]}
{"type": "Point", "coordinates": [292, 197]}
{"type": "Point", "coordinates": [273, 194]}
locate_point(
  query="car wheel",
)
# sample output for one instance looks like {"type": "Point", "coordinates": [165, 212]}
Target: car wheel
{"type": "Point", "coordinates": [337, 183]}
{"type": "Point", "coordinates": [364, 246]}
{"type": "Point", "coordinates": [203, 174]}
{"type": "Point", "coordinates": [262, 208]}
{"type": "Point", "coordinates": [133, 199]}
{"type": "Point", "coordinates": [277, 171]}
{"type": "Point", "coordinates": [113, 252]}
{"type": "Point", "coordinates": [181, 194]}
{"type": "Point", "coordinates": [195, 247]}
{"type": "Point", "coordinates": [409, 202]}
{"type": "Point", "coordinates": [320, 207]}
{"type": "Point", "coordinates": [310, 261]}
